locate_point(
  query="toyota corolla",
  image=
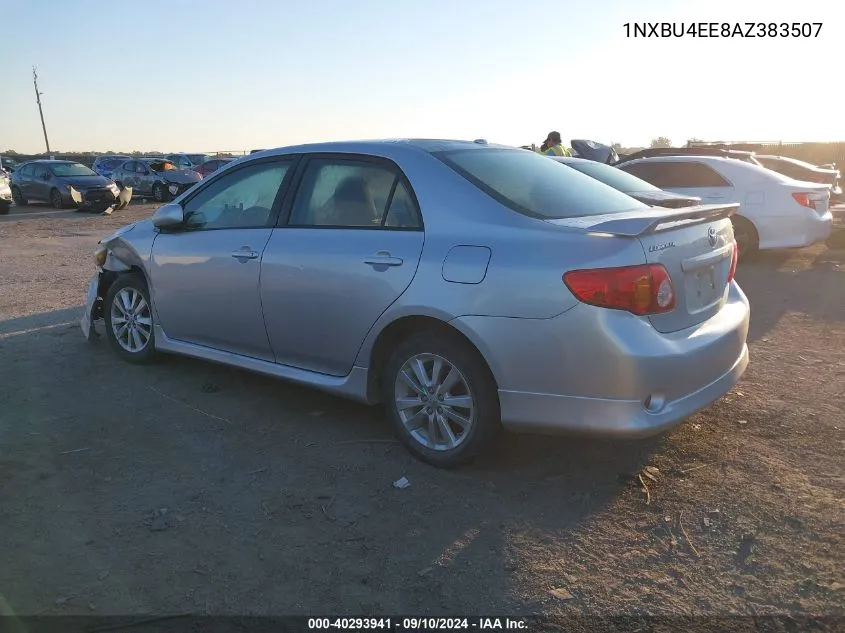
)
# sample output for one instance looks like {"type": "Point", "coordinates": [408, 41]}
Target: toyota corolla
{"type": "Point", "coordinates": [466, 287]}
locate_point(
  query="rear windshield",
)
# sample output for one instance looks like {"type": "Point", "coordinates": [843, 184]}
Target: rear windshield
{"type": "Point", "coordinates": [71, 169]}
{"type": "Point", "coordinates": [612, 176]}
{"type": "Point", "coordinates": [536, 185]}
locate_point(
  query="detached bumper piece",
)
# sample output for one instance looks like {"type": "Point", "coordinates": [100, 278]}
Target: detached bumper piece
{"type": "Point", "coordinates": [94, 200]}
{"type": "Point", "coordinates": [176, 189]}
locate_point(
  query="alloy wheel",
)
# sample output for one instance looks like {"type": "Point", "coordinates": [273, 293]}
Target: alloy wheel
{"type": "Point", "coordinates": [434, 402]}
{"type": "Point", "coordinates": [131, 320]}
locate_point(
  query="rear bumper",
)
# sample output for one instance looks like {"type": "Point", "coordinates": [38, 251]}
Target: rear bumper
{"type": "Point", "coordinates": [605, 417]}
{"type": "Point", "coordinates": [795, 231]}
{"type": "Point", "coordinates": [610, 373]}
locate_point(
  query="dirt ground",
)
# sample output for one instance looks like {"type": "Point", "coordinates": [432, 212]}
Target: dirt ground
{"type": "Point", "coordinates": [191, 487]}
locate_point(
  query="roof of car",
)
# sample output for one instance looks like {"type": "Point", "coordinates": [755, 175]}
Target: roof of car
{"type": "Point", "coordinates": [794, 161]}
{"type": "Point", "coordinates": [698, 158]}
{"type": "Point", "coordinates": [52, 161]}
{"type": "Point", "coordinates": [382, 145]}
{"type": "Point", "coordinates": [687, 151]}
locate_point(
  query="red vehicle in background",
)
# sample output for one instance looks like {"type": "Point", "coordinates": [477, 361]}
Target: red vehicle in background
{"type": "Point", "coordinates": [212, 165]}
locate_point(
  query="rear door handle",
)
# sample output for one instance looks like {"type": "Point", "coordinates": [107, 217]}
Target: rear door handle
{"type": "Point", "coordinates": [245, 253]}
{"type": "Point", "coordinates": [383, 259]}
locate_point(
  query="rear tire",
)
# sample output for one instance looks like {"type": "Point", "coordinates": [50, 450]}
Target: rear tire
{"type": "Point", "coordinates": [441, 399]}
{"type": "Point", "coordinates": [746, 236]}
{"type": "Point", "coordinates": [18, 198]}
{"type": "Point", "coordinates": [128, 314]}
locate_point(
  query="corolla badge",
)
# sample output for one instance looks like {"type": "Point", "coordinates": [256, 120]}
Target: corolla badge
{"type": "Point", "coordinates": [711, 236]}
{"type": "Point", "coordinates": [660, 247]}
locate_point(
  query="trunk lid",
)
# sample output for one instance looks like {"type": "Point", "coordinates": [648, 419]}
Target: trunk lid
{"type": "Point", "coordinates": [694, 244]}
{"type": "Point", "coordinates": [666, 199]}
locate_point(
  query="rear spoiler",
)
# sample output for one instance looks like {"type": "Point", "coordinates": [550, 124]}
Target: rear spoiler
{"type": "Point", "coordinates": [636, 223]}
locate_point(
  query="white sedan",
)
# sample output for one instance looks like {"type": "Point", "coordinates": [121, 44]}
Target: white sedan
{"type": "Point", "coordinates": [775, 211]}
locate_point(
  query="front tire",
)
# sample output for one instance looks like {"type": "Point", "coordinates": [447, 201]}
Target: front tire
{"type": "Point", "coordinates": [56, 199]}
{"type": "Point", "coordinates": [129, 319]}
{"type": "Point", "coordinates": [17, 197]}
{"type": "Point", "coordinates": [746, 236]}
{"type": "Point", "coordinates": [441, 399]}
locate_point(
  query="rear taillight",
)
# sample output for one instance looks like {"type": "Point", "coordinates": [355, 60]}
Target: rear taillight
{"type": "Point", "coordinates": [804, 199]}
{"type": "Point", "coordinates": [734, 260]}
{"type": "Point", "coordinates": [645, 289]}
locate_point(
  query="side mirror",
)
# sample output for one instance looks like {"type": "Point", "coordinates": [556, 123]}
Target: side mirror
{"type": "Point", "coordinates": [168, 216]}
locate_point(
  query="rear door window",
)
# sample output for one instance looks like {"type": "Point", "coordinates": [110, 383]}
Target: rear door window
{"type": "Point", "coordinates": [352, 193]}
{"type": "Point", "coordinates": [654, 172]}
{"type": "Point", "coordinates": [677, 174]}
{"type": "Point", "coordinates": [536, 185]}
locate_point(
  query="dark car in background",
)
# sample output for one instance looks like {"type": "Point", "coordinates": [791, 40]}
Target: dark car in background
{"type": "Point", "coordinates": [627, 183]}
{"type": "Point", "coordinates": [157, 178]}
{"type": "Point", "coordinates": [62, 183]}
{"type": "Point", "coordinates": [591, 150]}
{"type": "Point", "coordinates": [805, 172]}
{"type": "Point", "coordinates": [105, 165]}
{"type": "Point", "coordinates": [8, 164]}
{"type": "Point", "coordinates": [212, 165]}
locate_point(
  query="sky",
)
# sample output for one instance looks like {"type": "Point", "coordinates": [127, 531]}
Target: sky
{"type": "Point", "coordinates": [217, 75]}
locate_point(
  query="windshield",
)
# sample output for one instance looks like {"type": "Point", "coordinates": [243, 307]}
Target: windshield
{"type": "Point", "coordinates": [70, 169]}
{"type": "Point", "coordinates": [611, 176]}
{"type": "Point", "coordinates": [536, 186]}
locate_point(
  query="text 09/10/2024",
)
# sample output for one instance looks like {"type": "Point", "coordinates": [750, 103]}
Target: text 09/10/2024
{"type": "Point", "coordinates": [722, 29]}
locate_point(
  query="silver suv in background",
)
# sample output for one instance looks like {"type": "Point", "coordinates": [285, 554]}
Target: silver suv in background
{"type": "Point", "coordinates": [157, 178]}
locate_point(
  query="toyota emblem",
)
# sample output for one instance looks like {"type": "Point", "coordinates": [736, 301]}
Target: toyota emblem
{"type": "Point", "coordinates": [711, 235]}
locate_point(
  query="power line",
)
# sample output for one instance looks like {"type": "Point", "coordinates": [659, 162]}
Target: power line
{"type": "Point", "coordinates": [40, 111]}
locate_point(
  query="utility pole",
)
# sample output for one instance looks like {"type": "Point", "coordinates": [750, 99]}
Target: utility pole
{"type": "Point", "coordinates": [40, 111]}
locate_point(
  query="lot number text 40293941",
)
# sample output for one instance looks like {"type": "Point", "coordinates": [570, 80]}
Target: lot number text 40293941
{"type": "Point", "coordinates": [722, 29]}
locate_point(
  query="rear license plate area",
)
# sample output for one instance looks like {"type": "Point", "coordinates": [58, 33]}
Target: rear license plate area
{"type": "Point", "coordinates": [705, 284]}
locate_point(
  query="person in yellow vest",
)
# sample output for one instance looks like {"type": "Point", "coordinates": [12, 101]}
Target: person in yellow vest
{"type": "Point", "coordinates": [553, 146]}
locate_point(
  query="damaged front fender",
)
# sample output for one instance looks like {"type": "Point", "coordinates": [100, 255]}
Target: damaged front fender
{"type": "Point", "coordinates": [126, 250]}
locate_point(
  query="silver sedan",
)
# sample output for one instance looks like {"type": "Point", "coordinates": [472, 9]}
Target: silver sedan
{"type": "Point", "coordinates": [467, 287]}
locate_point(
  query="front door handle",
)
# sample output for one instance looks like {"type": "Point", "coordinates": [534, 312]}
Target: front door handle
{"type": "Point", "coordinates": [383, 258]}
{"type": "Point", "coordinates": [245, 253]}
